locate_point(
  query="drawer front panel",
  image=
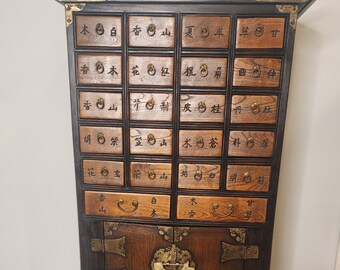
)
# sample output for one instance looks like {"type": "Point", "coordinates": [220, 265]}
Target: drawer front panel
{"type": "Point", "coordinates": [147, 31]}
{"type": "Point", "coordinates": [151, 141]}
{"type": "Point", "coordinates": [254, 109]}
{"type": "Point", "coordinates": [251, 143]}
{"type": "Point", "coordinates": [228, 209]}
{"type": "Point", "coordinates": [99, 31]}
{"type": "Point", "coordinates": [248, 178]}
{"type": "Point", "coordinates": [151, 107]}
{"type": "Point", "coordinates": [147, 70]}
{"type": "Point", "coordinates": [100, 105]}
{"type": "Point", "coordinates": [150, 174]}
{"type": "Point", "coordinates": [257, 72]}
{"type": "Point", "coordinates": [103, 172]}
{"type": "Point", "coordinates": [99, 69]}
{"type": "Point", "coordinates": [199, 176]}
{"type": "Point", "coordinates": [127, 205]}
{"type": "Point", "coordinates": [209, 72]}
{"type": "Point", "coordinates": [200, 143]}
{"type": "Point", "coordinates": [108, 140]}
{"type": "Point", "coordinates": [202, 108]}
{"type": "Point", "coordinates": [205, 32]}
{"type": "Point", "coordinates": [260, 33]}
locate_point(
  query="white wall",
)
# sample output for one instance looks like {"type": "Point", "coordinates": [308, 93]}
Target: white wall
{"type": "Point", "coordinates": [38, 219]}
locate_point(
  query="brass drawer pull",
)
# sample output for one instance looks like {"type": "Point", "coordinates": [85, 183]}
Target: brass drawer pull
{"type": "Point", "coordinates": [200, 142]}
{"type": "Point", "coordinates": [151, 139]}
{"type": "Point", "coordinates": [151, 30]}
{"type": "Point", "coordinates": [247, 177]}
{"type": "Point", "coordinates": [202, 107]}
{"type": "Point", "coordinates": [198, 175]}
{"type": "Point", "coordinates": [100, 138]}
{"type": "Point", "coordinates": [204, 70]}
{"type": "Point", "coordinates": [255, 108]}
{"type": "Point", "coordinates": [134, 204]}
{"type": "Point", "coordinates": [250, 142]}
{"type": "Point", "coordinates": [151, 70]}
{"type": "Point", "coordinates": [100, 67]}
{"type": "Point", "coordinates": [104, 172]}
{"type": "Point", "coordinates": [256, 71]}
{"type": "Point", "coordinates": [259, 30]}
{"type": "Point", "coordinates": [100, 29]}
{"type": "Point", "coordinates": [150, 104]}
{"type": "Point", "coordinates": [230, 208]}
{"type": "Point", "coordinates": [100, 103]}
{"type": "Point", "coordinates": [152, 175]}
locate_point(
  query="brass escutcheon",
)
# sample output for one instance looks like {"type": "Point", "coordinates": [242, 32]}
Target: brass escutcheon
{"type": "Point", "coordinates": [151, 70]}
{"type": "Point", "coordinates": [259, 30]}
{"type": "Point", "coordinates": [100, 138]}
{"type": "Point", "coordinates": [198, 175]}
{"type": "Point", "coordinates": [151, 174]}
{"type": "Point", "coordinates": [150, 104]}
{"type": "Point", "coordinates": [204, 70]}
{"type": "Point", "coordinates": [151, 30]}
{"type": "Point", "coordinates": [100, 67]}
{"type": "Point", "coordinates": [100, 103]}
{"type": "Point", "coordinates": [100, 29]}
{"type": "Point", "coordinates": [202, 107]}
{"type": "Point", "coordinates": [151, 139]}
{"type": "Point", "coordinates": [246, 177]}
{"type": "Point", "coordinates": [250, 142]}
{"type": "Point", "coordinates": [134, 204]}
{"type": "Point", "coordinates": [255, 108]}
{"type": "Point", "coordinates": [257, 71]}
{"type": "Point", "coordinates": [104, 172]}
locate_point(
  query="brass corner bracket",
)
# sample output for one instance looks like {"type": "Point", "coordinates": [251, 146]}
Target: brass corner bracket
{"type": "Point", "coordinates": [292, 10]}
{"type": "Point", "coordinates": [69, 9]}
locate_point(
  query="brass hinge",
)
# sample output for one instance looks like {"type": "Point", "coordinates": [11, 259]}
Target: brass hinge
{"type": "Point", "coordinates": [292, 10]}
{"type": "Point", "coordinates": [232, 252]}
{"type": "Point", "coordinates": [116, 246]}
{"type": "Point", "coordinates": [69, 9]}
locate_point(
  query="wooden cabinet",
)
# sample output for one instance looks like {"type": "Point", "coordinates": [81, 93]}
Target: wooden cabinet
{"type": "Point", "coordinates": [178, 120]}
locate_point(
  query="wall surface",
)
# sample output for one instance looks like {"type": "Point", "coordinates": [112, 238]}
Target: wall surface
{"type": "Point", "coordinates": [38, 218]}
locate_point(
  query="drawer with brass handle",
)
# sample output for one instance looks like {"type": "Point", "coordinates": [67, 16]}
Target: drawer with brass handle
{"type": "Point", "coordinates": [132, 205]}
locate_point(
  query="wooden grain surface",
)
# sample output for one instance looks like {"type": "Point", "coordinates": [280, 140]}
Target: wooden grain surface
{"type": "Point", "coordinates": [151, 106]}
{"type": "Point", "coordinates": [204, 72]}
{"type": "Point", "coordinates": [102, 172]}
{"type": "Point", "coordinates": [150, 141]}
{"type": "Point", "coordinates": [202, 108]}
{"type": "Point", "coordinates": [107, 140]}
{"type": "Point", "coordinates": [200, 143]}
{"type": "Point", "coordinates": [99, 69]}
{"type": "Point", "coordinates": [147, 31]}
{"type": "Point", "coordinates": [107, 204]}
{"type": "Point", "coordinates": [151, 70]}
{"type": "Point", "coordinates": [251, 143]}
{"type": "Point", "coordinates": [205, 32]}
{"type": "Point", "coordinates": [248, 178]}
{"type": "Point", "coordinates": [99, 31]}
{"type": "Point", "coordinates": [260, 33]}
{"type": "Point", "coordinates": [100, 105]}
{"type": "Point", "coordinates": [146, 174]}
{"type": "Point", "coordinates": [257, 72]}
{"type": "Point", "coordinates": [254, 109]}
{"type": "Point", "coordinates": [199, 176]}
{"type": "Point", "coordinates": [228, 209]}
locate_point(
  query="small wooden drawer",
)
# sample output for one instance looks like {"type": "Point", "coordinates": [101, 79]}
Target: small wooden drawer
{"type": "Point", "coordinates": [223, 209]}
{"type": "Point", "coordinates": [99, 69]}
{"type": "Point", "coordinates": [251, 143]}
{"type": "Point", "coordinates": [257, 72]}
{"type": "Point", "coordinates": [253, 109]}
{"type": "Point", "coordinates": [107, 140]}
{"type": "Point", "coordinates": [145, 31]}
{"type": "Point", "coordinates": [150, 141]}
{"type": "Point", "coordinates": [260, 33]}
{"type": "Point", "coordinates": [132, 205]}
{"type": "Point", "coordinates": [199, 176]}
{"type": "Point", "coordinates": [103, 172]}
{"type": "Point", "coordinates": [204, 72]}
{"type": "Point", "coordinates": [145, 174]}
{"type": "Point", "coordinates": [147, 70]}
{"type": "Point", "coordinates": [248, 178]}
{"type": "Point", "coordinates": [151, 106]}
{"type": "Point", "coordinates": [198, 143]}
{"type": "Point", "coordinates": [100, 105]}
{"type": "Point", "coordinates": [202, 108]}
{"type": "Point", "coordinates": [99, 31]}
{"type": "Point", "coordinates": [205, 32]}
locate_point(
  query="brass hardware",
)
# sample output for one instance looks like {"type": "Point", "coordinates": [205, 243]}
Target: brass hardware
{"type": "Point", "coordinates": [200, 142]}
{"type": "Point", "coordinates": [150, 104]}
{"type": "Point", "coordinates": [100, 103]}
{"type": "Point", "coordinates": [257, 71]}
{"type": "Point", "coordinates": [247, 177]}
{"type": "Point", "coordinates": [239, 234]}
{"type": "Point", "coordinates": [231, 252]}
{"type": "Point", "coordinates": [293, 12]}
{"type": "Point", "coordinates": [109, 228]}
{"type": "Point", "coordinates": [198, 175]}
{"type": "Point", "coordinates": [116, 246]}
{"type": "Point", "coordinates": [204, 70]}
{"type": "Point", "coordinates": [151, 174]}
{"type": "Point", "coordinates": [230, 208]}
{"type": "Point", "coordinates": [202, 107]}
{"type": "Point", "coordinates": [166, 232]}
{"type": "Point", "coordinates": [180, 232]}
{"type": "Point", "coordinates": [100, 29]}
{"type": "Point", "coordinates": [151, 70]}
{"type": "Point", "coordinates": [250, 142]}
{"type": "Point", "coordinates": [69, 9]}
{"type": "Point", "coordinates": [134, 204]}
{"type": "Point", "coordinates": [100, 138]}
{"type": "Point", "coordinates": [205, 32]}
{"type": "Point", "coordinates": [100, 67]}
{"type": "Point", "coordinates": [255, 108]}
{"type": "Point", "coordinates": [151, 139]}
{"type": "Point", "coordinates": [151, 30]}
{"type": "Point", "coordinates": [104, 172]}
{"type": "Point", "coordinates": [259, 30]}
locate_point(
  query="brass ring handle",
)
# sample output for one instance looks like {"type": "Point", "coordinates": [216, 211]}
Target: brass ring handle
{"type": "Point", "coordinates": [100, 138]}
{"type": "Point", "coordinates": [202, 107]}
{"type": "Point", "coordinates": [151, 30]}
{"type": "Point", "coordinates": [151, 174]}
{"type": "Point", "coordinates": [255, 108]}
{"type": "Point", "coordinates": [250, 142]}
{"type": "Point", "coordinates": [256, 71]}
{"type": "Point", "coordinates": [104, 172]}
{"type": "Point", "coordinates": [150, 104]}
{"type": "Point", "coordinates": [121, 202]}
{"type": "Point", "coordinates": [200, 142]}
{"type": "Point", "coordinates": [100, 67]}
{"type": "Point", "coordinates": [151, 139]}
{"type": "Point", "coordinates": [100, 103]}
{"type": "Point", "coordinates": [151, 70]}
{"type": "Point", "coordinates": [100, 29]}
{"type": "Point", "coordinates": [259, 30]}
{"type": "Point", "coordinates": [247, 177]}
{"type": "Point", "coordinates": [198, 175]}
{"type": "Point", "coordinates": [204, 70]}
{"type": "Point", "coordinates": [230, 208]}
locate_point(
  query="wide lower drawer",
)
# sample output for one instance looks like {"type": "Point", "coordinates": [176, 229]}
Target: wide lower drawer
{"type": "Point", "coordinates": [228, 209]}
{"type": "Point", "coordinates": [127, 205]}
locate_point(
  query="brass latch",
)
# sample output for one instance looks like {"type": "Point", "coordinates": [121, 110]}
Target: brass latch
{"type": "Point", "coordinates": [116, 246]}
{"type": "Point", "coordinates": [232, 252]}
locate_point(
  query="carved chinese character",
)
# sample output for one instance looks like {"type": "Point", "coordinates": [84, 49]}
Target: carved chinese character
{"type": "Point", "coordinates": [260, 180]}
{"type": "Point", "coordinates": [163, 143]}
{"type": "Point", "coordinates": [87, 105]}
{"type": "Point", "coordinates": [236, 142]}
{"type": "Point", "coordinates": [189, 31]}
{"type": "Point", "coordinates": [218, 73]}
{"type": "Point", "coordinates": [163, 177]}
{"type": "Point", "coordinates": [165, 71]}
{"type": "Point", "coordinates": [113, 108]}
{"type": "Point", "coordinates": [242, 72]}
{"type": "Point", "coordinates": [135, 70]}
{"type": "Point", "coordinates": [275, 32]}
{"type": "Point", "coordinates": [216, 108]}
{"type": "Point", "coordinates": [117, 173]}
{"type": "Point", "coordinates": [113, 32]}
{"type": "Point", "coordinates": [265, 143]}
{"type": "Point", "coordinates": [102, 198]}
{"type": "Point", "coordinates": [192, 213]}
{"type": "Point", "coordinates": [138, 141]}
{"type": "Point", "coordinates": [271, 74]}
{"type": "Point", "coordinates": [250, 202]}
{"type": "Point", "coordinates": [87, 139]}
{"type": "Point", "coordinates": [114, 141]}
{"type": "Point", "coordinates": [136, 174]}
{"type": "Point", "coordinates": [219, 32]}
{"type": "Point", "coordinates": [187, 107]}
{"type": "Point", "coordinates": [186, 143]}
{"type": "Point", "coordinates": [102, 210]}
{"type": "Point", "coordinates": [90, 172]}
{"type": "Point", "coordinates": [164, 106]}
{"type": "Point", "coordinates": [193, 201]}
{"type": "Point", "coordinates": [166, 32]}
{"type": "Point", "coordinates": [84, 69]}
{"type": "Point", "coordinates": [136, 103]}
{"type": "Point", "coordinates": [233, 178]}
{"type": "Point", "coordinates": [184, 173]}
{"type": "Point", "coordinates": [245, 31]}
{"type": "Point", "coordinates": [248, 215]}
{"type": "Point", "coordinates": [267, 109]}
{"type": "Point", "coordinates": [153, 213]}
{"type": "Point", "coordinates": [238, 109]}
{"type": "Point", "coordinates": [136, 30]}
{"type": "Point", "coordinates": [213, 142]}
{"type": "Point", "coordinates": [189, 71]}
{"type": "Point", "coordinates": [113, 71]}
{"type": "Point", "coordinates": [212, 175]}
{"type": "Point", "coordinates": [84, 30]}
{"type": "Point", "coordinates": [153, 200]}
